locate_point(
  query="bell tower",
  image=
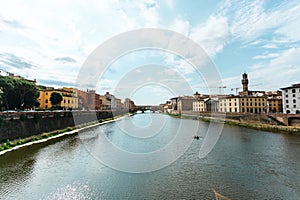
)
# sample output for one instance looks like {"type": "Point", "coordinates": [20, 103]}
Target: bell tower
{"type": "Point", "coordinates": [245, 82]}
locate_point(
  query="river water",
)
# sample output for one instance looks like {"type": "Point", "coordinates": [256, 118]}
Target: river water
{"type": "Point", "coordinates": [244, 164]}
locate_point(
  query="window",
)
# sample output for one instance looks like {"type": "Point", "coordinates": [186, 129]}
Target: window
{"type": "Point", "coordinates": [294, 95]}
{"type": "Point", "coordinates": [230, 105]}
{"type": "Point", "coordinates": [294, 106]}
{"type": "Point", "coordinates": [286, 101]}
{"type": "Point", "coordinates": [288, 111]}
{"type": "Point", "coordinates": [242, 103]}
{"type": "Point", "coordinates": [294, 100]}
{"type": "Point", "coordinates": [297, 112]}
{"type": "Point", "coordinates": [286, 95]}
{"type": "Point", "coordinates": [287, 106]}
{"type": "Point", "coordinates": [46, 100]}
{"type": "Point", "coordinates": [286, 91]}
{"type": "Point", "coordinates": [64, 101]}
{"type": "Point", "coordinates": [293, 90]}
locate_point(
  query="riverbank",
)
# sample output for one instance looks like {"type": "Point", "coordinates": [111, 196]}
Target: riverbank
{"type": "Point", "coordinates": [295, 130]}
{"type": "Point", "coordinates": [43, 137]}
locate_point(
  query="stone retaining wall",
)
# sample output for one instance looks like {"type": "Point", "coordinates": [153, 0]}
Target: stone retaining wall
{"type": "Point", "coordinates": [24, 124]}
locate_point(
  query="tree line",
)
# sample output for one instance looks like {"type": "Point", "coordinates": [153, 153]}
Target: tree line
{"type": "Point", "coordinates": [17, 94]}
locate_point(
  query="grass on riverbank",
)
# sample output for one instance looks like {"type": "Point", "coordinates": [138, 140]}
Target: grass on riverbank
{"type": "Point", "coordinates": [10, 144]}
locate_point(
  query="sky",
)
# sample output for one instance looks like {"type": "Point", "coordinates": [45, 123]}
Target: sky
{"type": "Point", "coordinates": [51, 41]}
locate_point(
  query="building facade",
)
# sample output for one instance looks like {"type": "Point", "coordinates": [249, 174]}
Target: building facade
{"type": "Point", "coordinates": [274, 102]}
{"type": "Point", "coordinates": [185, 103]}
{"type": "Point", "coordinates": [198, 105]}
{"type": "Point", "coordinates": [291, 99]}
{"type": "Point", "coordinates": [69, 98]}
{"type": "Point", "coordinates": [229, 104]}
{"type": "Point", "coordinates": [253, 104]}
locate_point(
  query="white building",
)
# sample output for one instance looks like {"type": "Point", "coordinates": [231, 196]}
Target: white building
{"type": "Point", "coordinates": [229, 104]}
{"type": "Point", "coordinates": [198, 105]}
{"type": "Point", "coordinates": [291, 99]}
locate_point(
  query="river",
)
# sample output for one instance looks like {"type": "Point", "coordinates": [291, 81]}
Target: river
{"type": "Point", "coordinates": [244, 164]}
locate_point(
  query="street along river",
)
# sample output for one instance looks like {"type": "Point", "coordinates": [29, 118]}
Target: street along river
{"type": "Point", "coordinates": [244, 164]}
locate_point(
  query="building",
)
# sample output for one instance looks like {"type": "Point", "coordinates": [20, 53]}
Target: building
{"type": "Point", "coordinates": [246, 91]}
{"type": "Point", "coordinates": [274, 102]}
{"type": "Point", "coordinates": [174, 108]}
{"type": "Point", "coordinates": [251, 101]}
{"type": "Point", "coordinates": [253, 104]}
{"type": "Point", "coordinates": [89, 100]}
{"type": "Point", "coordinates": [198, 105]}
{"type": "Point", "coordinates": [129, 104]}
{"type": "Point", "coordinates": [185, 103]}
{"type": "Point", "coordinates": [199, 102]}
{"type": "Point", "coordinates": [12, 75]}
{"type": "Point", "coordinates": [291, 99]}
{"type": "Point", "coordinates": [245, 83]}
{"type": "Point", "coordinates": [69, 98]}
{"type": "Point", "coordinates": [211, 105]}
{"type": "Point", "coordinates": [230, 103]}
{"type": "Point", "coordinates": [119, 103]}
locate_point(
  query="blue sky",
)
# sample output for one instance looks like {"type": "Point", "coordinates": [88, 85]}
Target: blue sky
{"type": "Point", "coordinates": [50, 41]}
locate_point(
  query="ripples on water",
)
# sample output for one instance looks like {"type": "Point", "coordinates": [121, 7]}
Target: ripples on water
{"type": "Point", "coordinates": [245, 164]}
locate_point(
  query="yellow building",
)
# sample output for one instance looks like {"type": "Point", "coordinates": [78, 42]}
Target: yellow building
{"type": "Point", "coordinates": [244, 104]}
{"type": "Point", "coordinates": [69, 95]}
{"type": "Point", "coordinates": [253, 104]}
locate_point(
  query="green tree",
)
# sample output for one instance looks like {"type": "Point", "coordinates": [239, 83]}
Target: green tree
{"type": "Point", "coordinates": [55, 98]}
{"type": "Point", "coordinates": [7, 86]}
{"type": "Point", "coordinates": [18, 93]}
{"type": "Point", "coordinates": [27, 93]}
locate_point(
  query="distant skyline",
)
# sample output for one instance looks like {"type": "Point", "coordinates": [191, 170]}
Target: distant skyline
{"type": "Point", "coordinates": [50, 41]}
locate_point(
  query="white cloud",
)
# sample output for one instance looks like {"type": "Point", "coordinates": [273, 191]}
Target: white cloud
{"type": "Point", "coordinates": [278, 71]}
{"type": "Point", "coordinates": [181, 26]}
{"type": "Point", "coordinates": [212, 35]}
{"type": "Point", "coordinates": [266, 56]}
{"type": "Point", "coordinates": [252, 19]}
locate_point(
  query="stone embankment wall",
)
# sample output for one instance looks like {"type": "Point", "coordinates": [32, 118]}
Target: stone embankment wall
{"type": "Point", "coordinates": [271, 119]}
{"type": "Point", "coordinates": [24, 124]}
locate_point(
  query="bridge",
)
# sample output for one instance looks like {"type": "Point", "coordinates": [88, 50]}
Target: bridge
{"type": "Point", "coordinates": [143, 108]}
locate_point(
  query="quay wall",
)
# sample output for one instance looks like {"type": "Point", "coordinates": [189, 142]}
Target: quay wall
{"type": "Point", "coordinates": [24, 124]}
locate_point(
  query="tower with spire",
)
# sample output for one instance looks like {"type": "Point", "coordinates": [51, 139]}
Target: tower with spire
{"type": "Point", "coordinates": [245, 83]}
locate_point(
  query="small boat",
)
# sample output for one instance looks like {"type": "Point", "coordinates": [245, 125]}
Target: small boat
{"type": "Point", "coordinates": [196, 137]}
